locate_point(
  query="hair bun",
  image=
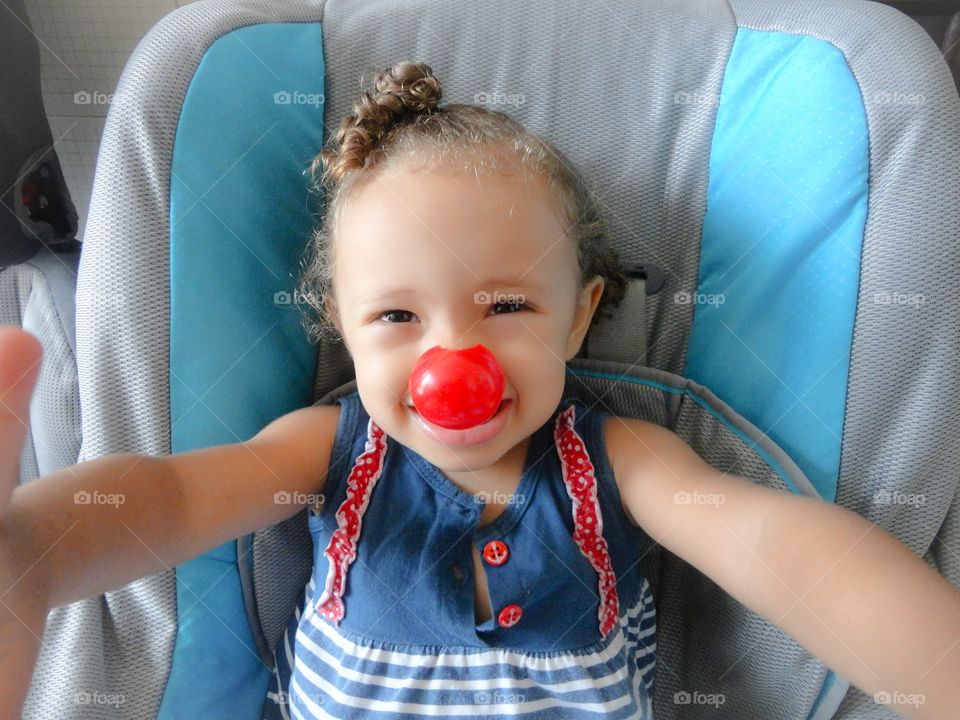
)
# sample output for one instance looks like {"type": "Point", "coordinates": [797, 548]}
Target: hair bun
{"type": "Point", "coordinates": [413, 84]}
{"type": "Point", "coordinates": [402, 92]}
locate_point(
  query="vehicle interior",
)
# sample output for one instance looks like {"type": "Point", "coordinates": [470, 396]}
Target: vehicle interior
{"type": "Point", "coordinates": [800, 159]}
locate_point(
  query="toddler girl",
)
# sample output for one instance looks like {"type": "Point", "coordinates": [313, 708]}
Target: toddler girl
{"type": "Point", "coordinates": [484, 570]}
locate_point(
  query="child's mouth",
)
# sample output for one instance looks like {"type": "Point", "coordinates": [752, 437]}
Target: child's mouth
{"type": "Point", "coordinates": [470, 436]}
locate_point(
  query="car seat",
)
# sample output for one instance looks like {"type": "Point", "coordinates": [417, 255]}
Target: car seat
{"type": "Point", "coordinates": [780, 178]}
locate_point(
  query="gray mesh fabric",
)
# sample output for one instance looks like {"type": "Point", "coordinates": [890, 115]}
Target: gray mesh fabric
{"type": "Point", "coordinates": [945, 546]}
{"type": "Point", "coordinates": [284, 553]}
{"type": "Point", "coordinates": [462, 45]}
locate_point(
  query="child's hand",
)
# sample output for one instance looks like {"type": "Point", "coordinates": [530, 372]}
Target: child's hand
{"type": "Point", "coordinates": [23, 606]}
{"type": "Point", "coordinates": [20, 357]}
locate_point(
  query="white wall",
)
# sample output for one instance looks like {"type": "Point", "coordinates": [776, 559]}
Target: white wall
{"type": "Point", "coordinates": [84, 45]}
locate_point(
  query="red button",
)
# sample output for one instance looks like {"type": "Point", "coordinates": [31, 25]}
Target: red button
{"type": "Point", "coordinates": [510, 615]}
{"type": "Point", "coordinates": [495, 552]}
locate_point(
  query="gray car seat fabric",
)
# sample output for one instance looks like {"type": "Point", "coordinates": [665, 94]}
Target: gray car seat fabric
{"type": "Point", "coordinates": [38, 295]}
{"type": "Point", "coordinates": [598, 69]}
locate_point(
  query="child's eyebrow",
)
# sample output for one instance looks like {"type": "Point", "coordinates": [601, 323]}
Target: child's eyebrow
{"type": "Point", "coordinates": [510, 282]}
{"type": "Point", "coordinates": [489, 285]}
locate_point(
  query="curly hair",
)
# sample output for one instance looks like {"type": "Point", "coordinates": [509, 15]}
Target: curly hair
{"type": "Point", "coordinates": [403, 121]}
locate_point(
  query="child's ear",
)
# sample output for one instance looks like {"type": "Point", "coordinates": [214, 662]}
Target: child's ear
{"type": "Point", "coordinates": [586, 306]}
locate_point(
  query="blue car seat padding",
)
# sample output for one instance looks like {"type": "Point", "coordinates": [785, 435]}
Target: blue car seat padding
{"type": "Point", "coordinates": [242, 144]}
{"type": "Point", "coordinates": [780, 252]}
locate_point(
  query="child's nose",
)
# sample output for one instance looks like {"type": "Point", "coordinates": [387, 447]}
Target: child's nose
{"type": "Point", "coordinates": [457, 389]}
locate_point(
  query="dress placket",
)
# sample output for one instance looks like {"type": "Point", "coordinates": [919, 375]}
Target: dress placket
{"type": "Point", "coordinates": [578, 477]}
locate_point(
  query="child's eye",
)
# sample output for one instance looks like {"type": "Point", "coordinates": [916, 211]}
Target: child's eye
{"type": "Point", "coordinates": [386, 313]}
{"type": "Point", "coordinates": [512, 306]}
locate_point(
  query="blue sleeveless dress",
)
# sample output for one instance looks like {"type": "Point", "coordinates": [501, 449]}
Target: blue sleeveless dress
{"type": "Point", "coordinates": [386, 627]}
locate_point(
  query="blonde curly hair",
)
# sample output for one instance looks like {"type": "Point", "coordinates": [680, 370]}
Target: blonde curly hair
{"type": "Point", "coordinates": [401, 121]}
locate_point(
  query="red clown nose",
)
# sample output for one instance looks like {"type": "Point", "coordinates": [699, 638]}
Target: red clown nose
{"type": "Point", "coordinates": [457, 389]}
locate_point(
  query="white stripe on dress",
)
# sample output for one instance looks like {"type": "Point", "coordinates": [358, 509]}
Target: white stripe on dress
{"type": "Point", "coordinates": [373, 705]}
{"type": "Point", "coordinates": [637, 615]}
{"type": "Point", "coordinates": [495, 656]}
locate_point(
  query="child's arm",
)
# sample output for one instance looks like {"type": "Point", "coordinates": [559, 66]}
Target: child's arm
{"type": "Point", "coordinates": [103, 523]}
{"type": "Point", "coordinates": [844, 588]}
{"type": "Point", "coordinates": [143, 514]}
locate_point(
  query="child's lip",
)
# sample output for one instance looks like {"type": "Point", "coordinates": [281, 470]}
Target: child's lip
{"type": "Point", "coordinates": [409, 402]}
{"type": "Point", "coordinates": [470, 436]}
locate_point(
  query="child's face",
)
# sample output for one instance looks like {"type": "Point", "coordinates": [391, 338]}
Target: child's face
{"type": "Point", "coordinates": [426, 245]}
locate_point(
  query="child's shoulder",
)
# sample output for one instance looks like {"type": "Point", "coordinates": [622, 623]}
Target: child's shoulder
{"type": "Point", "coordinates": [642, 452]}
{"type": "Point", "coordinates": [652, 464]}
{"type": "Point", "coordinates": [642, 445]}
{"type": "Point", "coordinates": [630, 444]}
